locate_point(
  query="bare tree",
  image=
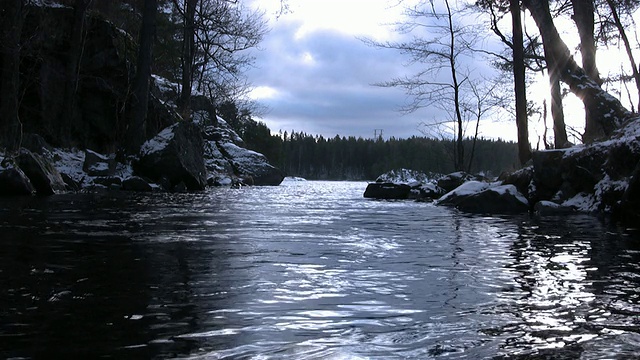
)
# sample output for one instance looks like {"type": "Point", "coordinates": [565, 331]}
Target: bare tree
{"type": "Point", "coordinates": [136, 132]}
{"type": "Point", "coordinates": [215, 35]}
{"type": "Point", "coordinates": [439, 44]}
{"type": "Point", "coordinates": [627, 44]}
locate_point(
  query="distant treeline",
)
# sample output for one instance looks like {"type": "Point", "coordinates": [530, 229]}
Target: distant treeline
{"type": "Point", "coordinates": [349, 158]}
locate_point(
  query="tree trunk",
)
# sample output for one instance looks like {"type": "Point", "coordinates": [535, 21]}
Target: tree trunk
{"type": "Point", "coordinates": [136, 133]}
{"type": "Point", "coordinates": [605, 111]}
{"type": "Point", "coordinates": [520, 87]}
{"type": "Point", "coordinates": [627, 45]}
{"type": "Point", "coordinates": [188, 54]}
{"type": "Point", "coordinates": [68, 115]}
{"type": "Point", "coordinates": [12, 16]}
{"type": "Point", "coordinates": [559, 129]}
{"type": "Point", "coordinates": [583, 16]}
{"type": "Point", "coordinates": [459, 159]}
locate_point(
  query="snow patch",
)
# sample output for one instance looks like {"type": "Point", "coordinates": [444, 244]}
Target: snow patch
{"type": "Point", "coordinates": [583, 202]}
{"type": "Point", "coordinates": [47, 3]}
{"type": "Point", "coordinates": [159, 142]}
{"type": "Point", "coordinates": [466, 189]}
{"type": "Point", "coordinates": [509, 190]}
{"type": "Point", "coordinates": [406, 176]}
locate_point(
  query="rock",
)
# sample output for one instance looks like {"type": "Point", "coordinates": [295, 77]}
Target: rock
{"type": "Point", "coordinates": [43, 175]}
{"type": "Point", "coordinates": [220, 172]}
{"type": "Point", "coordinates": [72, 185]}
{"type": "Point", "coordinates": [452, 198]}
{"type": "Point", "coordinates": [521, 179]}
{"type": "Point", "coordinates": [545, 208]}
{"type": "Point", "coordinates": [13, 182]}
{"type": "Point", "coordinates": [252, 167]}
{"type": "Point", "coordinates": [97, 164]}
{"type": "Point", "coordinates": [454, 180]}
{"type": "Point", "coordinates": [503, 199]}
{"type": "Point", "coordinates": [405, 176]}
{"type": "Point", "coordinates": [387, 191]}
{"type": "Point", "coordinates": [176, 153]}
{"type": "Point", "coordinates": [561, 174]}
{"type": "Point", "coordinates": [429, 191]}
{"type": "Point", "coordinates": [629, 209]}
{"type": "Point", "coordinates": [136, 183]}
{"type": "Point", "coordinates": [108, 181]}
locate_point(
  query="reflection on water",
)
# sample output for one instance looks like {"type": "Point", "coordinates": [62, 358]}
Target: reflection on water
{"type": "Point", "coordinates": [308, 270]}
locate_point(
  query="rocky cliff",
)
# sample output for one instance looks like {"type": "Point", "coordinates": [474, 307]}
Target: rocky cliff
{"type": "Point", "coordinates": [80, 143]}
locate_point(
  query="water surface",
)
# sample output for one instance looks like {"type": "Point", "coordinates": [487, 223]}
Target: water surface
{"type": "Point", "coordinates": [308, 270]}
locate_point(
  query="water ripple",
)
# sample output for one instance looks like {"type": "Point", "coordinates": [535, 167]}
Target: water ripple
{"type": "Point", "coordinates": [309, 270]}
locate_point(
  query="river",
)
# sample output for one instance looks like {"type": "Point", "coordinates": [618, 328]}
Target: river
{"type": "Point", "coordinates": [308, 270]}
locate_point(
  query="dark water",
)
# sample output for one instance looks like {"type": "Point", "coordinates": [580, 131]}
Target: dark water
{"type": "Point", "coordinates": [308, 270]}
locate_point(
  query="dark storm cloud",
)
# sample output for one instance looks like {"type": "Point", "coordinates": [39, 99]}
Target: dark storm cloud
{"type": "Point", "coordinates": [324, 82]}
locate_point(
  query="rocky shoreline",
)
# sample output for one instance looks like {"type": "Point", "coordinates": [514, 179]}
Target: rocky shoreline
{"type": "Point", "coordinates": [602, 178]}
{"type": "Point", "coordinates": [182, 157]}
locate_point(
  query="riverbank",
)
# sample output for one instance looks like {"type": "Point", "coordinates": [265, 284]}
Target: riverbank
{"type": "Point", "coordinates": [601, 178]}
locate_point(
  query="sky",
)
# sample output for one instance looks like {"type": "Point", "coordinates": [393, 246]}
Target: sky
{"type": "Point", "coordinates": [314, 73]}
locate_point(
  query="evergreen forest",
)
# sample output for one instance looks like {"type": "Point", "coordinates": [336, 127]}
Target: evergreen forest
{"type": "Point", "coordinates": [315, 157]}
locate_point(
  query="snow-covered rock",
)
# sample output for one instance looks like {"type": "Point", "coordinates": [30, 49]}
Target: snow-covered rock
{"type": "Point", "coordinates": [484, 198]}
{"type": "Point", "coordinates": [406, 176]}
{"type": "Point", "coordinates": [97, 164]}
{"type": "Point", "coordinates": [405, 184]}
{"type": "Point", "coordinates": [43, 175]}
{"type": "Point", "coordinates": [465, 190]}
{"type": "Point", "coordinates": [453, 180]}
{"type": "Point", "coordinates": [250, 166]}
{"type": "Point", "coordinates": [175, 155]}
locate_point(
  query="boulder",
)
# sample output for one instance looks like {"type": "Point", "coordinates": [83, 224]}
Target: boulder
{"type": "Point", "coordinates": [429, 191]}
{"type": "Point", "coordinates": [454, 180]}
{"type": "Point", "coordinates": [380, 190]}
{"type": "Point", "coordinates": [503, 199]}
{"type": "Point", "coordinates": [561, 174]}
{"type": "Point", "coordinates": [97, 164]}
{"type": "Point", "coordinates": [629, 209]}
{"type": "Point", "coordinates": [176, 154]}
{"type": "Point", "coordinates": [521, 179]}
{"type": "Point", "coordinates": [251, 167]}
{"type": "Point", "coordinates": [136, 183]}
{"type": "Point", "coordinates": [452, 198]}
{"type": "Point", "coordinates": [43, 175]}
{"type": "Point", "coordinates": [13, 182]}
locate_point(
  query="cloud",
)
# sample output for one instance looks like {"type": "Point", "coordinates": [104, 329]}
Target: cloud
{"type": "Point", "coordinates": [322, 83]}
